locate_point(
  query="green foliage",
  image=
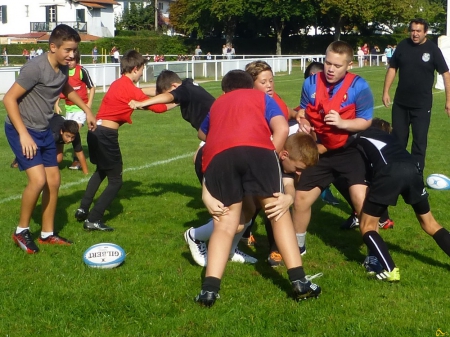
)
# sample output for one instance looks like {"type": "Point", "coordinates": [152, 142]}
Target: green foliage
{"type": "Point", "coordinates": [137, 17]}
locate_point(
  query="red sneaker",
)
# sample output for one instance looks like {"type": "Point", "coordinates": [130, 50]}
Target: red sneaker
{"type": "Point", "coordinates": [386, 224]}
{"type": "Point", "coordinates": [54, 239]}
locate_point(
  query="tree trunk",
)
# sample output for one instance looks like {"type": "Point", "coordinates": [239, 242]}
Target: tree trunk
{"type": "Point", "coordinates": [337, 29]}
{"type": "Point", "coordinates": [279, 27]}
{"type": "Point", "coordinates": [230, 28]}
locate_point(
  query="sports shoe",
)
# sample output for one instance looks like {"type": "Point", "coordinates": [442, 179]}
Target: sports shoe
{"type": "Point", "coordinates": [206, 298]}
{"type": "Point", "coordinates": [25, 241]}
{"type": "Point", "coordinates": [96, 226]}
{"type": "Point", "coordinates": [75, 165]}
{"type": "Point", "coordinates": [302, 250]}
{"type": "Point", "coordinates": [198, 249]}
{"type": "Point", "coordinates": [54, 239]}
{"type": "Point", "coordinates": [275, 259]}
{"type": "Point", "coordinates": [241, 257]}
{"type": "Point", "coordinates": [304, 289]}
{"type": "Point", "coordinates": [386, 224]}
{"type": "Point", "coordinates": [250, 241]}
{"type": "Point", "coordinates": [81, 214]}
{"type": "Point", "coordinates": [372, 265]}
{"type": "Point", "coordinates": [390, 276]}
{"type": "Point", "coordinates": [328, 197]}
{"type": "Point", "coordinates": [351, 222]}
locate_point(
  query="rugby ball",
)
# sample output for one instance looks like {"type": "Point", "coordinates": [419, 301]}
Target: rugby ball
{"type": "Point", "coordinates": [104, 256]}
{"type": "Point", "coordinates": [438, 181]}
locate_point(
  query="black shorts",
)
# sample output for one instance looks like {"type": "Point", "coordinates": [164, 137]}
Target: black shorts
{"type": "Point", "coordinates": [104, 149]}
{"type": "Point", "coordinates": [198, 165]}
{"type": "Point", "coordinates": [345, 162]}
{"type": "Point", "coordinates": [241, 171]}
{"type": "Point", "coordinates": [397, 179]}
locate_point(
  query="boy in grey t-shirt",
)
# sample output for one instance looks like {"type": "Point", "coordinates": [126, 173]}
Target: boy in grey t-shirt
{"type": "Point", "coordinates": [29, 105]}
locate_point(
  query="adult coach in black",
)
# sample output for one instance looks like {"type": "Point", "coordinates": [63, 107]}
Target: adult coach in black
{"type": "Point", "coordinates": [416, 59]}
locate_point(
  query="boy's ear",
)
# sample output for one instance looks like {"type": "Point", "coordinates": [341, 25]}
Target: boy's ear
{"type": "Point", "coordinates": [284, 154]}
{"type": "Point", "coordinates": [53, 47]}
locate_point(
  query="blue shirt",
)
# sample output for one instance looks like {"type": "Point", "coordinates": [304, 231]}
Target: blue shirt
{"type": "Point", "coordinates": [358, 93]}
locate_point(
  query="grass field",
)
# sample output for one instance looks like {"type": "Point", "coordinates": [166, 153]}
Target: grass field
{"type": "Point", "coordinates": [54, 294]}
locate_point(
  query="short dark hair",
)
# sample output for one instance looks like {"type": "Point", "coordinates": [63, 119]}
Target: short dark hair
{"type": "Point", "coordinates": [131, 59]}
{"type": "Point", "coordinates": [70, 126]}
{"type": "Point", "coordinates": [313, 67]}
{"type": "Point", "coordinates": [236, 79]}
{"type": "Point", "coordinates": [381, 124]}
{"type": "Point", "coordinates": [165, 79]}
{"type": "Point", "coordinates": [419, 21]}
{"type": "Point", "coordinates": [63, 33]}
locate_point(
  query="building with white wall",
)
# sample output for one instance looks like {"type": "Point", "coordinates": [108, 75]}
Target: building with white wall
{"type": "Point", "coordinates": [93, 17]}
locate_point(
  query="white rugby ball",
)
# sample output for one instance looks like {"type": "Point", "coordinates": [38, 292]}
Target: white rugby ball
{"type": "Point", "coordinates": [438, 181]}
{"type": "Point", "coordinates": [104, 256]}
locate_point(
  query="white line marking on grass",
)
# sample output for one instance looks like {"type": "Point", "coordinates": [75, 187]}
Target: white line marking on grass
{"type": "Point", "coordinates": [130, 169]}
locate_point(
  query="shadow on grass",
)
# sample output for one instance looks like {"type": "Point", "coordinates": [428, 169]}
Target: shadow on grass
{"type": "Point", "coordinates": [418, 256]}
{"type": "Point", "coordinates": [65, 210]}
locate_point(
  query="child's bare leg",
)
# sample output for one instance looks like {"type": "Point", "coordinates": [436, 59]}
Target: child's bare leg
{"type": "Point", "coordinates": [428, 223]}
{"type": "Point", "coordinates": [36, 181]}
{"type": "Point", "coordinates": [284, 234]}
{"type": "Point", "coordinates": [50, 198]}
{"type": "Point", "coordinates": [220, 242]}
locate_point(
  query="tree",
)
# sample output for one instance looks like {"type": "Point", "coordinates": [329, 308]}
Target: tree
{"type": "Point", "coordinates": [138, 16]}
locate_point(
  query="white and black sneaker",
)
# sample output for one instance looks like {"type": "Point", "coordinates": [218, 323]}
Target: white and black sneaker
{"type": "Point", "coordinates": [241, 257]}
{"type": "Point", "coordinates": [351, 222]}
{"type": "Point", "coordinates": [198, 249]}
{"type": "Point", "coordinates": [96, 226]}
{"type": "Point", "coordinates": [81, 214]}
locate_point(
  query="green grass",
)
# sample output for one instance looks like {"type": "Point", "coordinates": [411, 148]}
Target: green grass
{"type": "Point", "coordinates": [54, 294]}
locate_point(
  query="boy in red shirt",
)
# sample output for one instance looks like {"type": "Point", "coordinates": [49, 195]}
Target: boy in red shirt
{"type": "Point", "coordinates": [103, 143]}
{"type": "Point", "coordinates": [240, 162]}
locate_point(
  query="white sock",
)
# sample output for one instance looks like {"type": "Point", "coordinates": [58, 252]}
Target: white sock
{"type": "Point", "coordinates": [238, 237]}
{"type": "Point", "coordinates": [202, 233]}
{"type": "Point", "coordinates": [21, 229]}
{"type": "Point", "coordinates": [301, 239]}
{"type": "Point", "coordinates": [45, 235]}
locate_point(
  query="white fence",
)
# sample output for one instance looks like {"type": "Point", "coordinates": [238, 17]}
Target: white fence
{"type": "Point", "coordinates": [103, 74]}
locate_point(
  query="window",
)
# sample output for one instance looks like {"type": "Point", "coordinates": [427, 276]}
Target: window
{"type": "Point", "coordinates": [50, 13]}
{"type": "Point", "coordinates": [160, 6]}
{"type": "Point", "coordinates": [3, 14]}
{"type": "Point", "coordinates": [81, 15]}
{"type": "Point", "coordinates": [27, 10]}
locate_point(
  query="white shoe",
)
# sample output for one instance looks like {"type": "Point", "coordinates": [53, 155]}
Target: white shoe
{"type": "Point", "coordinates": [241, 257]}
{"type": "Point", "coordinates": [198, 249]}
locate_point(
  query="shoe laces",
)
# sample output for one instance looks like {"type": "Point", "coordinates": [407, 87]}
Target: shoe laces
{"type": "Point", "coordinates": [371, 260]}
{"type": "Point", "coordinates": [237, 251]}
{"type": "Point", "coordinates": [202, 249]}
{"type": "Point", "coordinates": [27, 236]}
{"type": "Point", "coordinates": [312, 277]}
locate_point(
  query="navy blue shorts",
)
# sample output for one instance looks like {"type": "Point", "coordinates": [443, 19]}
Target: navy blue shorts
{"type": "Point", "coordinates": [45, 154]}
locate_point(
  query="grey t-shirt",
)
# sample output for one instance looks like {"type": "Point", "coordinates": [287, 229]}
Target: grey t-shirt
{"type": "Point", "coordinates": [43, 86]}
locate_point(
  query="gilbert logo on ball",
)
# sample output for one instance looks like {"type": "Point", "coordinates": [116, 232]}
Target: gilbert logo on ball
{"type": "Point", "coordinates": [104, 256]}
{"type": "Point", "coordinates": [438, 181]}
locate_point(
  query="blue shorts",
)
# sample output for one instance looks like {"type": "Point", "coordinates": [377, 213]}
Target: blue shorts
{"type": "Point", "coordinates": [46, 153]}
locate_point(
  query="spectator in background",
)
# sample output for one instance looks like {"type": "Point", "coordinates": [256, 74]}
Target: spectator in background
{"type": "Point", "coordinates": [198, 52]}
{"type": "Point", "coordinates": [224, 51]}
{"type": "Point", "coordinates": [208, 56]}
{"type": "Point", "coordinates": [365, 49]}
{"type": "Point", "coordinates": [39, 51]}
{"type": "Point", "coordinates": [111, 53]}
{"type": "Point", "coordinates": [388, 53]}
{"type": "Point", "coordinates": [116, 56]}
{"type": "Point", "coordinates": [360, 54]}
{"type": "Point", "coordinates": [162, 58]}
{"type": "Point", "coordinates": [26, 53]}
{"type": "Point", "coordinates": [94, 54]}
{"type": "Point", "coordinates": [5, 56]}
{"type": "Point", "coordinates": [32, 53]}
